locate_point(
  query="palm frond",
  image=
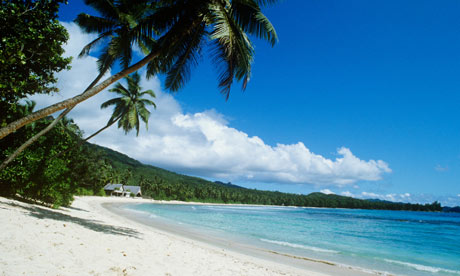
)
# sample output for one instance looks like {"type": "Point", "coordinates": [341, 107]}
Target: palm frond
{"type": "Point", "coordinates": [116, 50]}
{"type": "Point", "coordinates": [144, 114]}
{"type": "Point", "coordinates": [105, 60]}
{"type": "Point", "coordinates": [85, 51]}
{"type": "Point", "coordinates": [251, 19]}
{"type": "Point", "coordinates": [232, 50]}
{"type": "Point", "coordinates": [189, 53]}
{"type": "Point", "coordinates": [133, 83]}
{"type": "Point", "coordinates": [131, 105]}
{"type": "Point", "coordinates": [94, 24]}
{"type": "Point", "coordinates": [121, 90]}
{"type": "Point", "coordinates": [127, 51]}
{"type": "Point", "coordinates": [106, 8]}
{"type": "Point", "coordinates": [114, 101]}
{"type": "Point", "coordinates": [148, 92]}
{"type": "Point", "coordinates": [183, 22]}
{"type": "Point", "coordinates": [147, 102]}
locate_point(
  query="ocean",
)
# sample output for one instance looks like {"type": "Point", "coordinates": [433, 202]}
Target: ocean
{"type": "Point", "coordinates": [386, 242]}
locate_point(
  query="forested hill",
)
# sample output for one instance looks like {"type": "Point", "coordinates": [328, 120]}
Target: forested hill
{"type": "Point", "coordinates": [162, 184]}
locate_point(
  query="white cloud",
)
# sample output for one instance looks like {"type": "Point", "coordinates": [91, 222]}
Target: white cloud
{"type": "Point", "coordinates": [203, 143]}
{"type": "Point", "coordinates": [88, 115]}
{"type": "Point", "coordinates": [373, 195]}
{"type": "Point", "coordinates": [440, 168]}
{"type": "Point", "coordinates": [406, 197]}
{"type": "Point", "coordinates": [327, 192]}
{"type": "Point", "coordinates": [347, 193]}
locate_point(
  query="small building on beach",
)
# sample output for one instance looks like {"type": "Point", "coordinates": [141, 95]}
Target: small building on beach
{"type": "Point", "coordinates": [122, 190]}
{"type": "Point", "coordinates": [135, 190]}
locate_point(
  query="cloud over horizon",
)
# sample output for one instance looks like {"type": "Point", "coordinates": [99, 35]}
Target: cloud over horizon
{"type": "Point", "coordinates": [203, 143]}
{"type": "Point", "coordinates": [447, 200]}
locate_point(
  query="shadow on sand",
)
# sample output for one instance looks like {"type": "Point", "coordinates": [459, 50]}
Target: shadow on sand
{"type": "Point", "coordinates": [43, 213]}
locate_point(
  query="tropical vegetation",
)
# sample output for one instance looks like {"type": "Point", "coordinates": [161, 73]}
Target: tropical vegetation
{"type": "Point", "coordinates": [34, 175]}
{"type": "Point", "coordinates": [30, 50]}
{"type": "Point", "coordinates": [129, 109]}
{"type": "Point", "coordinates": [174, 34]}
{"type": "Point", "coordinates": [158, 183]}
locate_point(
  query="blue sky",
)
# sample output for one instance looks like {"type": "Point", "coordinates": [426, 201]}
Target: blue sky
{"type": "Point", "coordinates": [380, 78]}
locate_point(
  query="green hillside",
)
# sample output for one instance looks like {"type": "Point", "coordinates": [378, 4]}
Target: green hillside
{"type": "Point", "coordinates": [162, 184]}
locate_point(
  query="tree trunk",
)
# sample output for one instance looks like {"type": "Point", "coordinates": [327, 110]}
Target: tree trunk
{"type": "Point", "coordinates": [166, 41]}
{"type": "Point", "coordinates": [100, 130]}
{"type": "Point", "coordinates": [33, 139]}
{"type": "Point", "coordinates": [48, 128]}
{"type": "Point", "coordinates": [86, 139]}
{"type": "Point", "coordinates": [70, 103]}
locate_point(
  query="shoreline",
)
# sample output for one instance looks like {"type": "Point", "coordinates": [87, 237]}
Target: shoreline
{"type": "Point", "coordinates": [264, 205]}
{"type": "Point", "coordinates": [88, 239]}
{"type": "Point", "coordinates": [237, 246]}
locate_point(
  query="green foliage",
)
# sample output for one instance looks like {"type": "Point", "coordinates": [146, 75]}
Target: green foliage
{"type": "Point", "coordinates": [122, 25]}
{"type": "Point", "coordinates": [30, 48]}
{"type": "Point", "coordinates": [100, 192]}
{"type": "Point", "coordinates": [35, 175]}
{"type": "Point", "coordinates": [177, 32]}
{"type": "Point", "coordinates": [87, 169]}
{"type": "Point", "coordinates": [131, 105]}
{"type": "Point", "coordinates": [84, 192]}
{"type": "Point", "coordinates": [165, 185]}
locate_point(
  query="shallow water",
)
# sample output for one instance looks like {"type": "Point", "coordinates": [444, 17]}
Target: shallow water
{"type": "Point", "coordinates": [396, 242]}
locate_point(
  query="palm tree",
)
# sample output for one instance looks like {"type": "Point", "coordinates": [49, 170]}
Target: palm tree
{"type": "Point", "coordinates": [184, 26]}
{"type": "Point", "coordinates": [27, 109]}
{"type": "Point", "coordinates": [121, 25]}
{"type": "Point", "coordinates": [129, 108]}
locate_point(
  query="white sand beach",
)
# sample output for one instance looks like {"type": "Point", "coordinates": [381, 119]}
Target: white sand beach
{"type": "Point", "coordinates": [87, 239]}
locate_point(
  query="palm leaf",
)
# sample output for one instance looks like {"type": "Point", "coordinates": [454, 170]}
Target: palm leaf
{"type": "Point", "coordinates": [85, 51]}
{"type": "Point", "coordinates": [115, 101]}
{"type": "Point", "coordinates": [120, 89]}
{"type": "Point", "coordinates": [104, 7]}
{"type": "Point", "coordinates": [94, 24]}
{"type": "Point", "coordinates": [147, 102]}
{"type": "Point", "coordinates": [190, 52]}
{"type": "Point", "coordinates": [249, 16]}
{"type": "Point", "coordinates": [148, 92]}
{"type": "Point", "coordinates": [232, 50]}
{"type": "Point", "coordinates": [105, 61]}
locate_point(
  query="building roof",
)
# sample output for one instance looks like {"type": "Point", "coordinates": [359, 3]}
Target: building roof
{"type": "Point", "coordinates": [133, 189]}
{"type": "Point", "coordinates": [112, 187]}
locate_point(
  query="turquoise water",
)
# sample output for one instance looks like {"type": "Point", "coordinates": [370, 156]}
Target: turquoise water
{"type": "Point", "coordinates": [396, 242]}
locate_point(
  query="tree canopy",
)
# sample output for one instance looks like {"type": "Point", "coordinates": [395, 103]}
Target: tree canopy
{"type": "Point", "coordinates": [30, 48]}
{"type": "Point", "coordinates": [130, 108]}
{"type": "Point", "coordinates": [179, 29]}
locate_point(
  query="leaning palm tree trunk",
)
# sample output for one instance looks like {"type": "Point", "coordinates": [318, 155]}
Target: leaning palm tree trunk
{"type": "Point", "coordinates": [87, 138]}
{"type": "Point", "coordinates": [70, 103]}
{"type": "Point", "coordinates": [99, 131]}
{"type": "Point", "coordinates": [167, 39]}
{"type": "Point", "coordinates": [48, 128]}
{"type": "Point", "coordinates": [32, 140]}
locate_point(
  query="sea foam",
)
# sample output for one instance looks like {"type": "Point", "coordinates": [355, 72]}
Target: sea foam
{"type": "Point", "coordinates": [294, 245]}
{"type": "Point", "coordinates": [424, 267]}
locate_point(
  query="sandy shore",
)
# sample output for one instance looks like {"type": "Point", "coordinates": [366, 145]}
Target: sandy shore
{"type": "Point", "coordinates": [87, 239]}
